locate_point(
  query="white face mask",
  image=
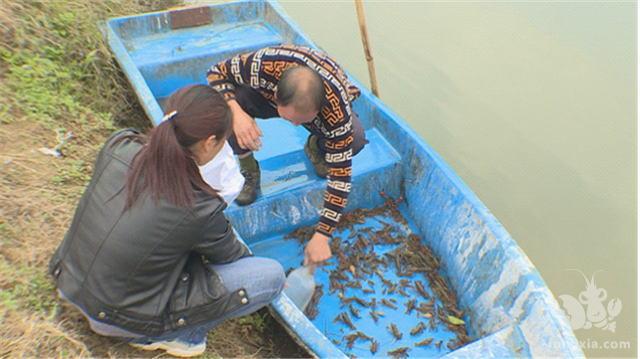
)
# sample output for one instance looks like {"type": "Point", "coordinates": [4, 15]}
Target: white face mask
{"type": "Point", "coordinates": [222, 173]}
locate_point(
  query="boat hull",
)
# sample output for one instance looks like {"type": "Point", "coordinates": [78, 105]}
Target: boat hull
{"type": "Point", "coordinates": [509, 310]}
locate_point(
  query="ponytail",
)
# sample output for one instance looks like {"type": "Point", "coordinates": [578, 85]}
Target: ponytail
{"type": "Point", "coordinates": [165, 165]}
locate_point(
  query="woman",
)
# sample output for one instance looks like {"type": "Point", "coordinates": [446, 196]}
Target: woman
{"type": "Point", "coordinates": [149, 255]}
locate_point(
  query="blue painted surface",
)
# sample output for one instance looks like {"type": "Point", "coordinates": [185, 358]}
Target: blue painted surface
{"type": "Point", "coordinates": [510, 310]}
{"type": "Point", "coordinates": [290, 253]}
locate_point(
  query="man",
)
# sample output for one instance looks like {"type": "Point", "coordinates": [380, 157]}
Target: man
{"type": "Point", "coordinates": [305, 87]}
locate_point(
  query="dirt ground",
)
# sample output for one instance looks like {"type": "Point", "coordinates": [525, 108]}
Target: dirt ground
{"type": "Point", "coordinates": [58, 78]}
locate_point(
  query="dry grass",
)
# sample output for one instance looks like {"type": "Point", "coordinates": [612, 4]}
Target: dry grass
{"type": "Point", "coordinates": [56, 75]}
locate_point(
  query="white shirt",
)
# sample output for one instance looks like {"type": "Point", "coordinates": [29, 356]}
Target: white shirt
{"type": "Point", "coordinates": [222, 173]}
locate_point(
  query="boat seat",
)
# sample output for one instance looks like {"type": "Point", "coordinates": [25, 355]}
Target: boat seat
{"type": "Point", "coordinates": [173, 59]}
{"type": "Point", "coordinates": [285, 166]}
{"type": "Point", "coordinates": [210, 40]}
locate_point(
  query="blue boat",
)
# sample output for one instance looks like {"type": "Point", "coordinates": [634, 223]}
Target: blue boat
{"type": "Point", "coordinates": [508, 309]}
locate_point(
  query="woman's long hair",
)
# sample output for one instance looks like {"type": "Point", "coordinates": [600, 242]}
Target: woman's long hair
{"type": "Point", "coordinates": [165, 165]}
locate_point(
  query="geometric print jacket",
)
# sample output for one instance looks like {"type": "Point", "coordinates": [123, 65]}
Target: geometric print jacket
{"type": "Point", "coordinates": [261, 70]}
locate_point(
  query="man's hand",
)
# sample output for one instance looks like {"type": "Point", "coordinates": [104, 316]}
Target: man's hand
{"type": "Point", "coordinates": [317, 250]}
{"type": "Point", "coordinates": [245, 128]}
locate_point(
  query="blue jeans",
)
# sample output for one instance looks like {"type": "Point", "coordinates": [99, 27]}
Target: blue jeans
{"type": "Point", "coordinates": [262, 278]}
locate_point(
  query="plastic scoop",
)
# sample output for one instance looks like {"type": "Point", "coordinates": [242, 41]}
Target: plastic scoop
{"type": "Point", "coordinates": [300, 285]}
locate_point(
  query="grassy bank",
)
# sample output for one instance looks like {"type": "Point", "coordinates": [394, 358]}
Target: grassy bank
{"type": "Point", "coordinates": [58, 78]}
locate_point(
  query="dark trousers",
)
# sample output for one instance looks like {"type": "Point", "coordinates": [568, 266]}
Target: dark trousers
{"type": "Point", "coordinates": [254, 104]}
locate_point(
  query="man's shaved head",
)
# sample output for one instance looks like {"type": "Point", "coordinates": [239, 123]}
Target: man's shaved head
{"type": "Point", "coordinates": [301, 87]}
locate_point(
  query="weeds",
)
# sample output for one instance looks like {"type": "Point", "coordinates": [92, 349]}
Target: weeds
{"type": "Point", "coordinates": [256, 321]}
{"type": "Point", "coordinates": [56, 75]}
{"type": "Point", "coordinates": [28, 289]}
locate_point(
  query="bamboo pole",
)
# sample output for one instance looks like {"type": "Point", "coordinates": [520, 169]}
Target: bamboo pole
{"type": "Point", "coordinates": [367, 50]}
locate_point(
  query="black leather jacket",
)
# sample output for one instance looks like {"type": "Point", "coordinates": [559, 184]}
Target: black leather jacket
{"type": "Point", "coordinates": [145, 269]}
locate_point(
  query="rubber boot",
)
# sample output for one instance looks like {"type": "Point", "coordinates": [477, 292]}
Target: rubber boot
{"type": "Point", "coordinates": [251, 172]}
{"type": "Point", "coordinates": [312, 150]}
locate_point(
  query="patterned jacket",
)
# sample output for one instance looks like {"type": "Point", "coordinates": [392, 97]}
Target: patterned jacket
{"type": "Point", "coordinates": [262, 69]}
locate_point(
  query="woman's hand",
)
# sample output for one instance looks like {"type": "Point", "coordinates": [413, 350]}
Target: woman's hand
{"type": "Point", "coordinates": [317, 250]}
{"type": "Point", "coordinates": [245, 128]}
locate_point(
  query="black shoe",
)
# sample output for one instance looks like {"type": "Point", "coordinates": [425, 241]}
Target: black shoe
{"type": "Point", "coordinates": [251, 186]}
{"type": "Point", "coordinates": [316, 156]}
